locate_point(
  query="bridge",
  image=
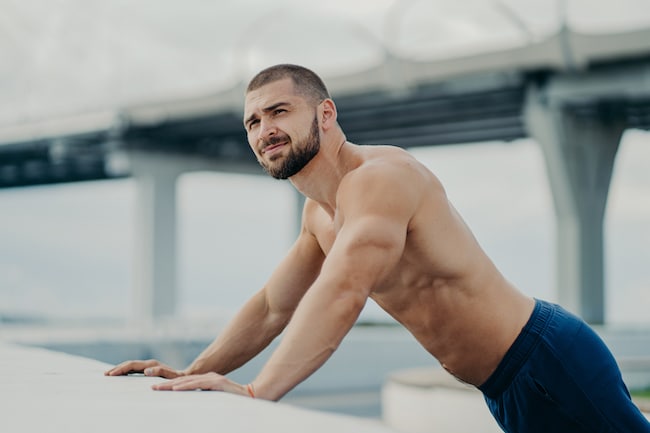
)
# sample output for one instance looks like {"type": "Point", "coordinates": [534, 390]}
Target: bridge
{"type": "Point", "coordinates": [574, 91]}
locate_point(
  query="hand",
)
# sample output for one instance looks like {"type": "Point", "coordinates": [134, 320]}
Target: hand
{"type": "Point", "coordinates": [148, 368]}
{"type": "Point", "coordinates": [208, 381]}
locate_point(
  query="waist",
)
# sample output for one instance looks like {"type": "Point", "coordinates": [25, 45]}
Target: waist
{"type": "Point", "coordinates": [520, 350]}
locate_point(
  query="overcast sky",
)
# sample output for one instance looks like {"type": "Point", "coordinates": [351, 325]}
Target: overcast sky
{"type": "Point", "coordinates": [69, 56]}
{"type": "Point", "coordinates": [67, 250]}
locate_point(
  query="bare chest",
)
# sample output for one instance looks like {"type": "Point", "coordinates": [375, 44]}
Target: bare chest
{"type": "Point", "coordinates": [396, 286]}
{"type": "Point", "coordinates": [405, 274]}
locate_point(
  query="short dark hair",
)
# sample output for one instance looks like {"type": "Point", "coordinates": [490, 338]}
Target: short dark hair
{"type": "Point", "coordinates": [306, 82]}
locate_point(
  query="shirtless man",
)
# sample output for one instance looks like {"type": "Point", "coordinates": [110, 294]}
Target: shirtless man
{"type": "Point", "coordinates": [377, 224]}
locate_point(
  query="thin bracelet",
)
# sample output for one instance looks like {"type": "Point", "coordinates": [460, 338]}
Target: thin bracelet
{"type": "Point", "coordinates": [250, 389]}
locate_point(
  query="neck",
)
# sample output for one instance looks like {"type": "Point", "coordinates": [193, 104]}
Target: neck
{"type": "Point", "coordinates": [320, 178]}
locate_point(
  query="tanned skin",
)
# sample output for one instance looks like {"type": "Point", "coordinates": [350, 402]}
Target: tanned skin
{"type": "Point", "coordinates": [376, 224]}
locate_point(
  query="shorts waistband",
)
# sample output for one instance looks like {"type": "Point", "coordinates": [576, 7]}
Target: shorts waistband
{"type": "Point", "coordinates": [520, 350]}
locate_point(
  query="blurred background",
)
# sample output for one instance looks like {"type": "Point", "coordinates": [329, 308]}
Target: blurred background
{"type": "Point", "coordinates": [134, 220]}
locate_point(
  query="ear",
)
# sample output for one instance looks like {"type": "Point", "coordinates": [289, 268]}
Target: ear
{"type": "Point", "coordinates": [328, 114]}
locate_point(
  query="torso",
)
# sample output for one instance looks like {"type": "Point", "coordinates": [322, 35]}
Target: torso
{"type": "Point", "coordinates": [444, 289]}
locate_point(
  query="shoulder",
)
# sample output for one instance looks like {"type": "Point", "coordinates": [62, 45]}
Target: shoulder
{"type": "Point", "coordinates": [311, 209]}
{"type": "Point", "coordinates": [314, 218]}
{"type": "Point", "coordinates": [388, 177]}
{"type": "Point", "coordinates": [387, 162]}
{"type": "Point", "coordinates": [388, 170]}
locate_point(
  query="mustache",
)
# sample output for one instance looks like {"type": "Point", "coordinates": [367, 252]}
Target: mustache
{"type": "Point", "coordinates": [274, 140]}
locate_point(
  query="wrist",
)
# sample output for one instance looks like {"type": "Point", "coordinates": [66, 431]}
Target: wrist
{"type": "Point", "coordinates": [196, 367]}
{"type": "Point", "coordinates": [251, 390]}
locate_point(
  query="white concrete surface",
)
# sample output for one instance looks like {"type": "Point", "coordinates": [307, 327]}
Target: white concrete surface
{"type": "Point", "coordinates": [350, 381]}
{"type": "Point", "coordinates": [45, 391]}
{"type": "Point", "coordinates": [428, 400]}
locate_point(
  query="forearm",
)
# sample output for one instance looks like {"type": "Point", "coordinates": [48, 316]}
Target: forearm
{"type": "Point", "coordinates": [249, 332]}
{"type": "Point", "coordinates": [358, 260]}
{"type": "Point", "coordinates": [315, 332]}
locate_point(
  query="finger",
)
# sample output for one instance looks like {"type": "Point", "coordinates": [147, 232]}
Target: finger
{"type": "Point", "coordinates": [198, 382]}
{"type": "Point", "coordinates": [120, 369]}
{"type": "Point", "coordinates": [209, 381]}
{"type": "Point", "coordinates": [169, 385]}
{"type": "Point", "coordinates": [162, 371]}
{"type": "Point", "coordinates": [162, 386]}
{"type": "Point", "coordinates": [129, 367]}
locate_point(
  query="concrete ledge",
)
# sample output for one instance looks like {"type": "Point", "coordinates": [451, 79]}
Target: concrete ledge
{"type": "Point", "coordinates": [54, 392]}
{"type": "Point", "coordinates": [350, 381]}
{"type": "Point", "coordinates": [425, 400]}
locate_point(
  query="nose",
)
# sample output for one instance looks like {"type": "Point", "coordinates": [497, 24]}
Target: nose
{"type": "Point", "coordinates": [267, 129]}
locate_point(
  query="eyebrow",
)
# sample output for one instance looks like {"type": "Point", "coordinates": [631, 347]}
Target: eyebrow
{"type": "Point", "coordinates": [265, 110]}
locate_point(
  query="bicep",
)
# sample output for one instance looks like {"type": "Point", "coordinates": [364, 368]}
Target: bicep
{"type": "Point", "coordinates": [366, 250]}
{"type": "Point", "coordinates": [376, 212]}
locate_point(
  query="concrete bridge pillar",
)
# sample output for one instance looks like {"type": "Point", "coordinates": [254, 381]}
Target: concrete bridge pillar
{"type": "Point", "coordinates": [155, 263]}
{"type": "Point", "coordinates": [155, 254]}
{"type": "Point", "coordinates": [579, 142]}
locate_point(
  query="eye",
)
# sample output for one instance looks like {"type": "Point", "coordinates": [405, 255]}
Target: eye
{"type": "Point", "coordinates": [278, 111]}
{"type": "Point", "coordinates": [253, 123]}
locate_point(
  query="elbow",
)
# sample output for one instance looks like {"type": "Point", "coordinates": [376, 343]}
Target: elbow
{"type": "Point", "coordinates": [350, 304]}
{"type": "Point", "coordinates": [274, 319]}
{"type": "Point", "coordinates": [278, 320]}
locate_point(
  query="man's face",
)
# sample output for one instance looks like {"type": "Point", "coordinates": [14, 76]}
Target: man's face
{"type": "Point", "coordinates": [282, 128]}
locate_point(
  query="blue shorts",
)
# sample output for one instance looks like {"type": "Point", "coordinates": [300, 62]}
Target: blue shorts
{"type": "Point", "coordinates": [558, 377]}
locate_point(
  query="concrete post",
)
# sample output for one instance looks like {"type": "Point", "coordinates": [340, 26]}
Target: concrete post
{"type": "Point", "coordinates": [154, 294]}
{"type": "Point", "coordinates": [579, 149]}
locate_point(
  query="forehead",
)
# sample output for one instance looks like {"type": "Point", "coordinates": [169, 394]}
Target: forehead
{"type": "Point", "coordinates": [270, 94]}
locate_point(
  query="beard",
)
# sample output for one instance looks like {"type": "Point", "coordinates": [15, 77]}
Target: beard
{"type": "Point", "coordinates": [298, 156]}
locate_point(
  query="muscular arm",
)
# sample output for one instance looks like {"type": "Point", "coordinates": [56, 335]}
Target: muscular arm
{"type": "Point", "coordinates": [375, 210]}
{"type": "Point", "coordinates": [266, 314]}
{"type": "Point", "coordinates": [259, 321]}
{"type": "Point", "coordinates": [373, 214]}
